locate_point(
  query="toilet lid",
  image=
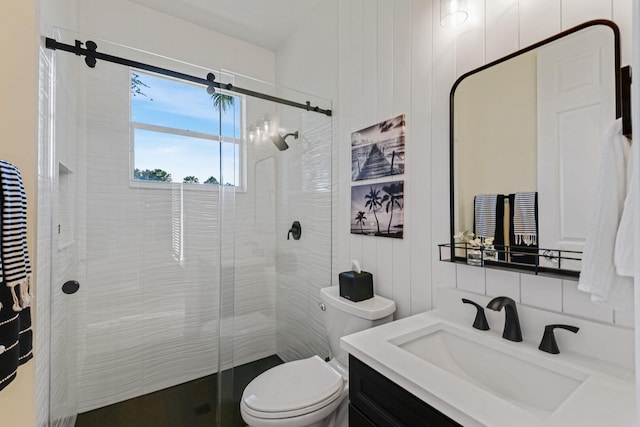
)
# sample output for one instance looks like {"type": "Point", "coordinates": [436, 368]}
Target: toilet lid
{"type": "Point", "coordinates": [293, 386]}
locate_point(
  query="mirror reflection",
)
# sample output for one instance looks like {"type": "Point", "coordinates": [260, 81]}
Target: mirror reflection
{"type": "Point", "coordinates": [525, 146]}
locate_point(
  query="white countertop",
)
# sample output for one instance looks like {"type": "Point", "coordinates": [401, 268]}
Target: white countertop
{"type": "Point", "coordinates": [605, 398]}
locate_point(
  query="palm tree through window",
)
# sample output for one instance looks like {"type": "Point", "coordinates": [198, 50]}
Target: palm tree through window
{"type": "Point", "coordinates": [182, 134]}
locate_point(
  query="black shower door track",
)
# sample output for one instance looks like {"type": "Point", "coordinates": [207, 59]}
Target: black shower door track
{"type": "Point", "coordinates": [91, 55]}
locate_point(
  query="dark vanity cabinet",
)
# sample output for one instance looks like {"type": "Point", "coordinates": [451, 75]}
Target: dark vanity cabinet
{"type": "Point", "coordinates": [375, 400]}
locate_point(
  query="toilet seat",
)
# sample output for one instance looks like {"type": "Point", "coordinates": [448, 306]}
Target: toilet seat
{"type": "Point", "coordinates": [293, 389]}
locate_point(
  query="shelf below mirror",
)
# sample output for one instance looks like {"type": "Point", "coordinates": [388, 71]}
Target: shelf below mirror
{"type": "Point", "coordinates": [547, 262]}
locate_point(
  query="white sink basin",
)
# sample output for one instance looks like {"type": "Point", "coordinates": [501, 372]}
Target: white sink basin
{"type": "Point", "coordinates": [479, 379]}
{"type": "Point", "coordinates": [532, 383]}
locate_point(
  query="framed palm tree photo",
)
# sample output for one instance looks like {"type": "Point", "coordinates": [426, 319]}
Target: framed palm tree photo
{"type": "Point", "coordinates": [377, 209]}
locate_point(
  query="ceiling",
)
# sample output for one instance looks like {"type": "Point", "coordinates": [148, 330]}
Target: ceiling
{"type": "Point", "coordinates": [265, 23]}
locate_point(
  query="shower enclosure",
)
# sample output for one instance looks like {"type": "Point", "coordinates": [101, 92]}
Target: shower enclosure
{"type": "Point", "coordinates": [170, 204]}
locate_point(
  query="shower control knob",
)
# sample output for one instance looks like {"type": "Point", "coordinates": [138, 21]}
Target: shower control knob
{"type": "Point", "coordinates": [295, 231]}
{"type": "Point", "coordinates": [322, 306]}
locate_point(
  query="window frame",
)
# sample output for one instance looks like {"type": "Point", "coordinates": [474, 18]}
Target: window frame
{"type": "Point", "coordinates": [160, 185]}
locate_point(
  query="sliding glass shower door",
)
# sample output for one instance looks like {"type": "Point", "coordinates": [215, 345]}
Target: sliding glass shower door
{"type": "Point", "coordinates": [171, 206]}
{"type": "Point", "coordinates": [144, 169]}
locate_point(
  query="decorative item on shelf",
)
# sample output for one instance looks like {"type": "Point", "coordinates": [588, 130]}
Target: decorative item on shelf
{"type": "Point", "coordinates": [477, 249]}
{"type": "Point", "coordinates": [490, 253]}
{"type": "Point", "coordinates": [474, 257]}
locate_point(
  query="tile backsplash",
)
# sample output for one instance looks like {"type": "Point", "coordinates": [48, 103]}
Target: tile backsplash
{"type": "Point", "coordinates": [538, 291]}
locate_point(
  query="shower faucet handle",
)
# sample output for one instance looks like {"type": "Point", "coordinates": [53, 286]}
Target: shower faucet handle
{"type": "Point", "coordinates": [295, 231]}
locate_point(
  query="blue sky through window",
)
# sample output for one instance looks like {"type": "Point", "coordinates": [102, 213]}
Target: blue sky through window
{"type": "Point", "coordinates": [184, 107]}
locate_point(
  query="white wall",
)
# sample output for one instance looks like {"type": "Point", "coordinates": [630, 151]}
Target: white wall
{"type": "Point", "coordinates": [396, 58]}
{"type": "Point", "coordinates": [385, 64]}
{"type": "Point", "coordinates": [307, 61]}
{"type": "Point", "coordinates": [130, 24]}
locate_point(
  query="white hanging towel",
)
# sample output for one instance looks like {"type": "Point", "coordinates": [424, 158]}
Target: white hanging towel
{"type": "Point", "coordinates": [598, 276]}
{"type": "Point", "coordinates": [624, 249]}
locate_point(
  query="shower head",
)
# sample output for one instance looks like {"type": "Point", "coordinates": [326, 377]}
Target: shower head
{"type": "Point", "coordinates": [279, 140]}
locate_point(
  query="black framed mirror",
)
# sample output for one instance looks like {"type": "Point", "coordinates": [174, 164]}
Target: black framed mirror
{"type": "Point", "coordinates": [525, 133]}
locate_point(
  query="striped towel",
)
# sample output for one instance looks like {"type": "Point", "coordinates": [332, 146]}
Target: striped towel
{"type": "Point", "coordinates": [15, 266]}
{"type": "Point", "coordinates": [525, 222]}
{"type": "Point", "coordinates": [484, 215]}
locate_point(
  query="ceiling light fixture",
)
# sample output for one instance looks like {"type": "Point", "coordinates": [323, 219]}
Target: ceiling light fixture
{"type": "Point", "coordinates": [453, 12]}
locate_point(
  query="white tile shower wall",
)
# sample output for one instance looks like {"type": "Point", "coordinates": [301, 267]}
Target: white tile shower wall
{"type": "Point", "coordinates": [148, 313]}
{"type": "Point", "coordinates": [254, 248]}
{"type": "Point", "coordinates": [309, 190]}
{"type": "Point", "coordinates": [303, 266]}
{"type": "Point", "coordinates": [132, 272]}
{"type": "Point", "coordinates": [394, 57]}
{"type": "Point", "coordinates": [129, 23]}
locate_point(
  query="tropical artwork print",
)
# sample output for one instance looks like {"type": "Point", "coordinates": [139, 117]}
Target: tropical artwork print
{"type": "Point", "coordinates": [378, 150]}
{"type": "Point", "coordinates": [378, 209]}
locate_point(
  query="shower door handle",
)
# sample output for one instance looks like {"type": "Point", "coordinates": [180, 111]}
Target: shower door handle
{"type": "Point", "coordinates": [70, 287]}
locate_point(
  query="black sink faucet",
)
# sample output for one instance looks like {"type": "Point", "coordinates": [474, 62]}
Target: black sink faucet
{"type": "Point", "coordinates": [480, 321]}
{"type": "Point", "coordinates": [548, 342]}
{"type": "Point", "coordinates": [512, 323]}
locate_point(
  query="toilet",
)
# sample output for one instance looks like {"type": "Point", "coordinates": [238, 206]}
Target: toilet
{"type": "Point", "coordinates": [311, 392]}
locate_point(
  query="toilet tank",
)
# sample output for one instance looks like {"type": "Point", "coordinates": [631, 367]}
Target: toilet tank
{"type": "Point", "coordinates": [343, 317]}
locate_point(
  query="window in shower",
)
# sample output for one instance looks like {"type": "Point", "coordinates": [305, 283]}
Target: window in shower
{"type": "Point", "coordinates": [182, 134]}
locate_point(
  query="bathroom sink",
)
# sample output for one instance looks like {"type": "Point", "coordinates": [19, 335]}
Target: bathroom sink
{"type": "Point", "coordinates": [478, 379]}
{"type": "Point", "coordinates": [535, 384]}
